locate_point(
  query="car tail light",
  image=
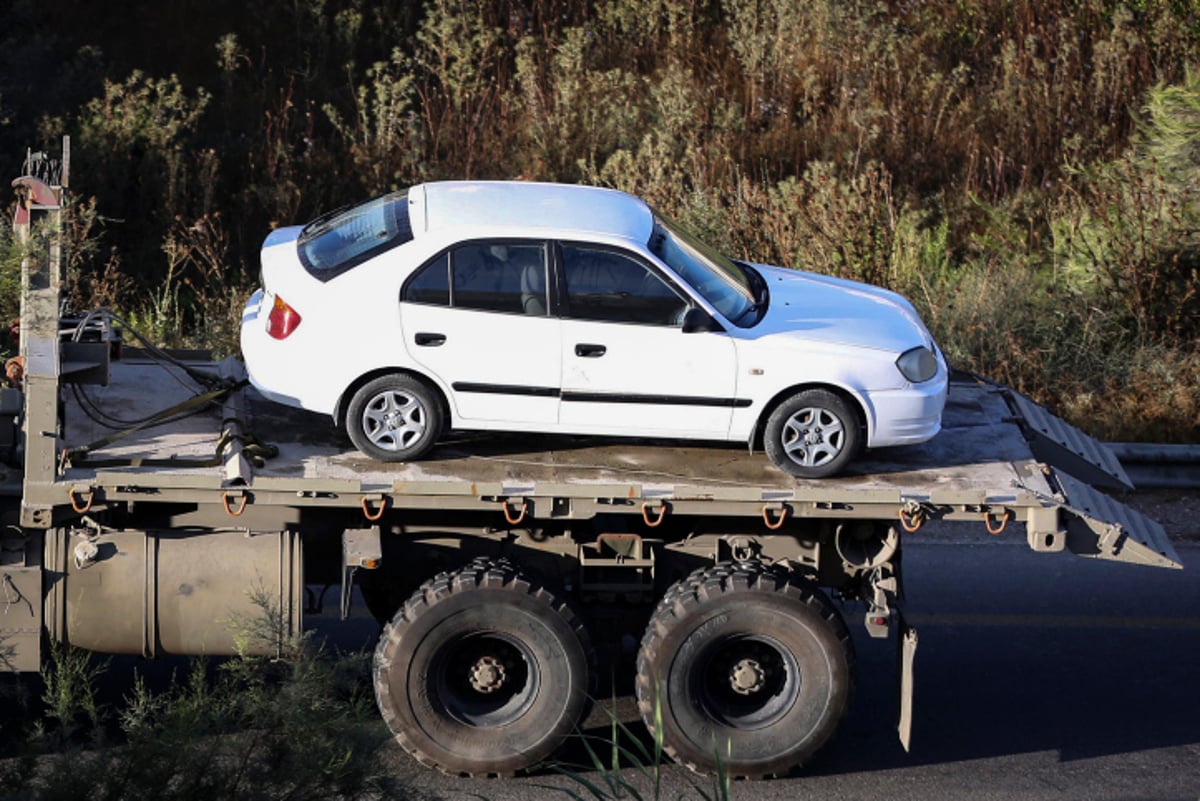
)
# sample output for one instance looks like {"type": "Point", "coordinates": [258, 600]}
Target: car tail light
{"type": "Point", "coordinates": [282, 320]}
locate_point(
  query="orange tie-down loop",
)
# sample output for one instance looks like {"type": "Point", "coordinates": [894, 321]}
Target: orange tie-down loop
{"type": "Point", "coordinates": [373, 515]}
{"type": "Point", "coordinates": [508, 513]}
{"type": "Point", "coordinates": [777, 523]}
{"type": "Point", "coordinates": [997, 528]}
{"type": "Point", "coordinates": [911, 520]}
{"type": "Point", "coordinates": [14, 371]}
{"type": "Point", "coordinates": [84, 503]}
{"type": "Point", "coordinates": [243, 498]}
{"type": "Point", "coordinates": [662, 508]}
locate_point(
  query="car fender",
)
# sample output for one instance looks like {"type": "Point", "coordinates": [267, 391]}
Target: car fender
{"type": "Point", "coordinates": [343, 399]}
{"type": "Point", "coordinates": [773, 368]}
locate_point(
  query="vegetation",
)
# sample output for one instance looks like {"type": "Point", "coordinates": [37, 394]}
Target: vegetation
{"type": "Point", "coordinates": [1027, 172]}
{"type": "Point", "coordinates": [300, 725]}
{"type": "Point", "coordinates": [297, 727]}
{"type": "Point", "coordinates": [622, 765]}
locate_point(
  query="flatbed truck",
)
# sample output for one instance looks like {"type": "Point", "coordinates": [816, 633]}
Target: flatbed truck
{"type": "Point", "coordinates": [150, 498]}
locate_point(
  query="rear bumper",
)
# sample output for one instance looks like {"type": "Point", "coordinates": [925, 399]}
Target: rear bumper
{"type": "Point", "coordinates": [266, 361]}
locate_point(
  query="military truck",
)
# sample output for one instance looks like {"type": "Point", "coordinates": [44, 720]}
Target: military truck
{"type": "Point", "coordinates": [149, 498]}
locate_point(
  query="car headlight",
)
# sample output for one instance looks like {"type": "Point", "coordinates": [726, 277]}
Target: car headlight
{"type": "Point", "coordinates": [917, 365]}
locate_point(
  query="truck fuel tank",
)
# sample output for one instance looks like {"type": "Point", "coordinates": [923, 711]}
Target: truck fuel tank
{"type": "Point", "coordinates": [215, 592]}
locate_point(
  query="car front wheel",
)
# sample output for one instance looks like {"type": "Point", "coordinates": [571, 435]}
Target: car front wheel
{"type": "Point", "coordinates": [813, 434]}
{"type": "Point", "coordinates": [394, 418]}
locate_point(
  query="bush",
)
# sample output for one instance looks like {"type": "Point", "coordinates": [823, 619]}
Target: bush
{"type": "Point", "coordinates": [300, 727]}
{"type": "Point", "coordinates": [1129, 235]}
{"type": "Point", "coordinates": [926, 146]}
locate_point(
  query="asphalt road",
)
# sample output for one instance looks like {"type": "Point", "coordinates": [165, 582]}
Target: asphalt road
{"type": "Point", "coordinates": [1038, 677]}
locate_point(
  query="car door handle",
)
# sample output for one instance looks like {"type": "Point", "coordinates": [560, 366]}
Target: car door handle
{"type": "Point", "coordinates": [427, 340]}
{"type": "Point", "coordinates": [589, 351]}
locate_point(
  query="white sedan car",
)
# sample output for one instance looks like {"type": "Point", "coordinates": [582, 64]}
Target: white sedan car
{"type": "Point", "coordinates": [569, 309]}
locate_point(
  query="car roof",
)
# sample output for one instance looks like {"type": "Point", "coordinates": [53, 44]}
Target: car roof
{"type": "Point", "coordinates": [522, 206]}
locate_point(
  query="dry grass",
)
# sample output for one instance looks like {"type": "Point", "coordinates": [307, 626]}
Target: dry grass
{"type": "Point", "coordinates": [1023, 156]}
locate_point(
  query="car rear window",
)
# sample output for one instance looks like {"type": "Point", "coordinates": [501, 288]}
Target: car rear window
{"type": "Point", "coordinates": [343, 239]}
{"type": "Point", "coordinates": [501, 276]}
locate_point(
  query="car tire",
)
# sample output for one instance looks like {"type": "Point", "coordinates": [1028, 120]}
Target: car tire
{"type": "Point", "coordinates": [483, 672]}
{"type": "Point", "coordinates": [812, 434]}
{"type": "Point", "coordinates": [744, 671]}
{"type": "Point", "coordinates": [394, 418]}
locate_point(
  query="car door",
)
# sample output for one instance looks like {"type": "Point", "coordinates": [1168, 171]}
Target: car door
{"type": "Point", "coordinates": [476, 318]}
{"type": "Point", "coordinates": [627, 366]}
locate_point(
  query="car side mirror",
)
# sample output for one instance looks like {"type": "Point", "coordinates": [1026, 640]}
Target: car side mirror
{"type": "Point", "coordinates": [697, 319]}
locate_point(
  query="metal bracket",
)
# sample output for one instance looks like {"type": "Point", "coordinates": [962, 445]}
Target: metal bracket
{"type": "Point", "coordinates": [361, 549]}
{"type": "Point", "coordinates": [1043, 530]}
{"type": "Point", "coordinates": [885, 589]}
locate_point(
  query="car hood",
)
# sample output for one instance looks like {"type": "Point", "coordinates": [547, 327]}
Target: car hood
{"type": "Point", "coordinates": [832, 310]}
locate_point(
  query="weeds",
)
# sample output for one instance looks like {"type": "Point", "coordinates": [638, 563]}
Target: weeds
{"type": "Point", "coordinates": [297, 727]}
{"type": "Point", "coordinates": [1129, 234]}
{"type": "Point", "coordinates": [611, 759]}
{"type": "Point", "coordinates": [70, 694]}
{"type": "Point", "coordinates": [12, 253]}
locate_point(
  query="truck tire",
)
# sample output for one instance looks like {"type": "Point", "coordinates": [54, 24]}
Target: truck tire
{"type": "Point", "coordinates": [812, 434]}
{"type": "Point", "coordinates": [748, 671]}
{"type": "Point", "coordinates": [483, 672]}
{"type": "Point", "coordinates": [394, 418]}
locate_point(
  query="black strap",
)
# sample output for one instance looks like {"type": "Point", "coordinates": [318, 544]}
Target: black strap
{"type": "Point", "coordinates": [252, 447]}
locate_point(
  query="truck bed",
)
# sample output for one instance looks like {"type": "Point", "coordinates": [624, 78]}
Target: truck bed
{"type": "Point", "coordinates": [980, 451]}
{"type": "Point", "coordinates": [981, 466]}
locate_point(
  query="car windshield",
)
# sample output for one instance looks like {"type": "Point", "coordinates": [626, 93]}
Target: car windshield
{"type": "Point", "coordinates": [335, 242]}
{"type": "Point", "coordinates": [721, 281]}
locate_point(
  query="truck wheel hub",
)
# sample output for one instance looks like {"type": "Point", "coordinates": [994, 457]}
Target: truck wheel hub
{"type": "Point", "coordinates": [747, 676]}
{"type": "Point", "coordinates": [487, 675]}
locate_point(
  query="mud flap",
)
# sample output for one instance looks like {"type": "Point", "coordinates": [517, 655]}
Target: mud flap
{"type": "Point", "coordinates": [20, 619]}
{"type": "Point", "coordinates": [906, 653]}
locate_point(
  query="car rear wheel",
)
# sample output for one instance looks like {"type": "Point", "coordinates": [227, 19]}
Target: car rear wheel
{"type": "Point", "coordinates": [813, 434]}
{"type": "Point", "coordinates": [394, 418]}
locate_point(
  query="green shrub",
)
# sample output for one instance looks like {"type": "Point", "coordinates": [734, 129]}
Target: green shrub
{"type": "Point", "coordinates": [303, 726]}
{"type": "Point", "coordinates": [1129, 233]}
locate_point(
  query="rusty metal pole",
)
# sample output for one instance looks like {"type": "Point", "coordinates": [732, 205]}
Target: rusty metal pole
{"type": "Point", "coordinates": [40, 209]}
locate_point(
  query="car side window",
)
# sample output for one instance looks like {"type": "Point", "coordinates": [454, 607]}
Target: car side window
{"type": "Point", "coordinates": [500, 276]}
{"type": "Point", "coordinates": [611, 287]}
{"type": "Point", "coordinates": [431, 284]}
